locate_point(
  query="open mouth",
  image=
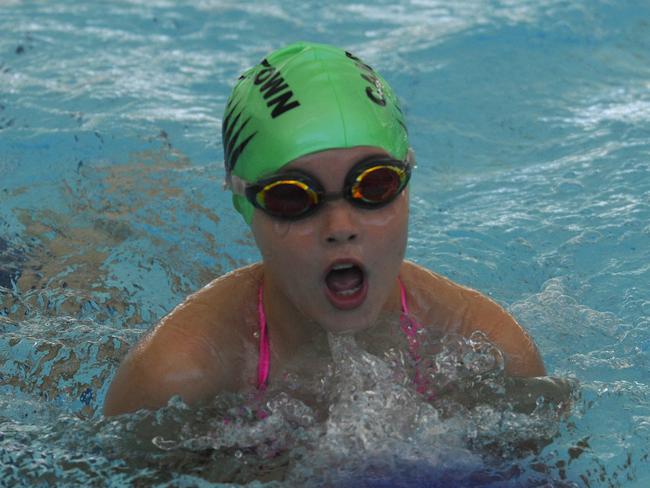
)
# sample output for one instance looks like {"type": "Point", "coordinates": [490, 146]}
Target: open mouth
{"type": "Point", "coordinates": [346, 285]}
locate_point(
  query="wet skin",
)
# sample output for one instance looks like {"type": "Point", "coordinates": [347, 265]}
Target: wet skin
{"type": "Point", "coordinates": [209, 342]}
{"type": "Point", "coordinates": [298, 254]}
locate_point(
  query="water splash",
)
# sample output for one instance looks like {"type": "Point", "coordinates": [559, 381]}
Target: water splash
{"type": "Point", "coordinates": [360, 422]}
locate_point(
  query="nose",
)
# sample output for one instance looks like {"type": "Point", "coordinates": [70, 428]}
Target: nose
{"type": "Point", "coordinates": [340, 223]}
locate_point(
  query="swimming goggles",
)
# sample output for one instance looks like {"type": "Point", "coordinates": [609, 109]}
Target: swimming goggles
{"type": "Point", "coordinates": [291, 195]}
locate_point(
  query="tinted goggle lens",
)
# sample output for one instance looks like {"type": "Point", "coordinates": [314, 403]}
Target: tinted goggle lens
{"type": "Point", "coordinates": [369, 186]}
{"type": "Point", "coordinates": [288, 198]}
{"type": "Point", "coordinates": [378, 184]}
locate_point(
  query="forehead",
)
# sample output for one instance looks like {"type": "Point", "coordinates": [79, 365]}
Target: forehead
{"type": "Point", "coordinates": [334, 160]}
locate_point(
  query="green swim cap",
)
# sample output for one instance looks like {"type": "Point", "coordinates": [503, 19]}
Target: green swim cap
{"type": "Point", "coordinates": [302, 99]}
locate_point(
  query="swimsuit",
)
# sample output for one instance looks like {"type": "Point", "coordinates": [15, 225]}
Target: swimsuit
{"type": "Point", "coordinates": [409, 326]}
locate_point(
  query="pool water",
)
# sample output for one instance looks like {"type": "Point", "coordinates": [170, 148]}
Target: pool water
{"type": "Point", "coordinates": [531, 125]}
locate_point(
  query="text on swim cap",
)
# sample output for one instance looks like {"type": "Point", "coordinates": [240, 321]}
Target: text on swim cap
{"type": "Point", "coordinates": [274, 85]}
{"type": "Point", "coordinates": [375, 92]}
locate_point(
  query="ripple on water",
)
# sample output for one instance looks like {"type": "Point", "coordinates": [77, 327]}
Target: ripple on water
{"type": "Point", "coordinates": [362, 416]}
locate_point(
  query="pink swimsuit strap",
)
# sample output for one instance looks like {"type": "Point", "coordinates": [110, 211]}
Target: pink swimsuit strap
{"type": "Point", "coordinates": [411, 328]}
{"type": "Point", "coordinates": [264, 361]}
{"type": "Point", "coordinates": [408, 324]}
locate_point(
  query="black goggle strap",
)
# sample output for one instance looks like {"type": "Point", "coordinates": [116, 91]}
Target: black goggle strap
{"type": "Point", "coordinates": [238, 186]}
{"type": "Point", "coordinates": [256, 192]}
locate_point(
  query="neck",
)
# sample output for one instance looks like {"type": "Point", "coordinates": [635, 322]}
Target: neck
{"type": "Point", "coordinates": [289, 328]}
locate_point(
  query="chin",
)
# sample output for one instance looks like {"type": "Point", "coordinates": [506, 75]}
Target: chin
{"type": "Point", "coordinates": [338, 330]}
{"type": "Point", "coordinates": [356, 322]}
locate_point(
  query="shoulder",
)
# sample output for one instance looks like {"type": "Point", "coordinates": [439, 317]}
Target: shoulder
{"type": "Point", "coordinates": [419, 276]}
{"type": "Point", "coordinates": [198, 349]}
{"type": "Point", "coordinates": [436, 297]}
{"type": "Point", "coordinates": [450, 307]}
{"type": "Point", "coordinates": [211, 318]}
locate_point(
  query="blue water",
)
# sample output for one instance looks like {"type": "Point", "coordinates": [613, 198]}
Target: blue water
{"type": "Point", "coordinates": [531, 125]}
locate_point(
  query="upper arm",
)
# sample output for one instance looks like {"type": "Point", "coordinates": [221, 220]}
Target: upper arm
{"type": "Point", "coordinates": [195, 352]}
{"type": "Point", "coordinates": [186, 354]}
{"type": "Point", "coordinates": [455, 308]}
{"type": "Point", "coordinates": [134, 385]}
{"type": "Point", "coordinates": [521, 355]}
{"type": "Point", "coordinates": [148, 377]}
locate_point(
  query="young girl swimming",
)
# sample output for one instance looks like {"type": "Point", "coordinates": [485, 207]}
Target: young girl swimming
{"type": "Point", "coordinates": [318, 160]}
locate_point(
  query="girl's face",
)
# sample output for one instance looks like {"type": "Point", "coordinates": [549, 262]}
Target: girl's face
{"type": "Point", "coordinates": [338, 266]}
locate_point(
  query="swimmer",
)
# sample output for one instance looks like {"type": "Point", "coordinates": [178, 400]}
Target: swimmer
{"type": "Point", "coordinates": [318, 161]}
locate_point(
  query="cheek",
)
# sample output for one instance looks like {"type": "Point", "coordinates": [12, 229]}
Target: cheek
{"type": "Point", "coordinates": [279, 242]}
{"type": "Point", "coordinates": [389, 226]}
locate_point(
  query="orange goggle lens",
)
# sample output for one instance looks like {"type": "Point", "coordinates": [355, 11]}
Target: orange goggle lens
{"type": "Point", "coordinates": [287, 197]}
{"type": "Point", "coordinates": [377, 184]}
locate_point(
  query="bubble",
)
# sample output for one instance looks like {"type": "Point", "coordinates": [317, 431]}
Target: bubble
{"type": "Point", "coordinates": [355, 415]}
